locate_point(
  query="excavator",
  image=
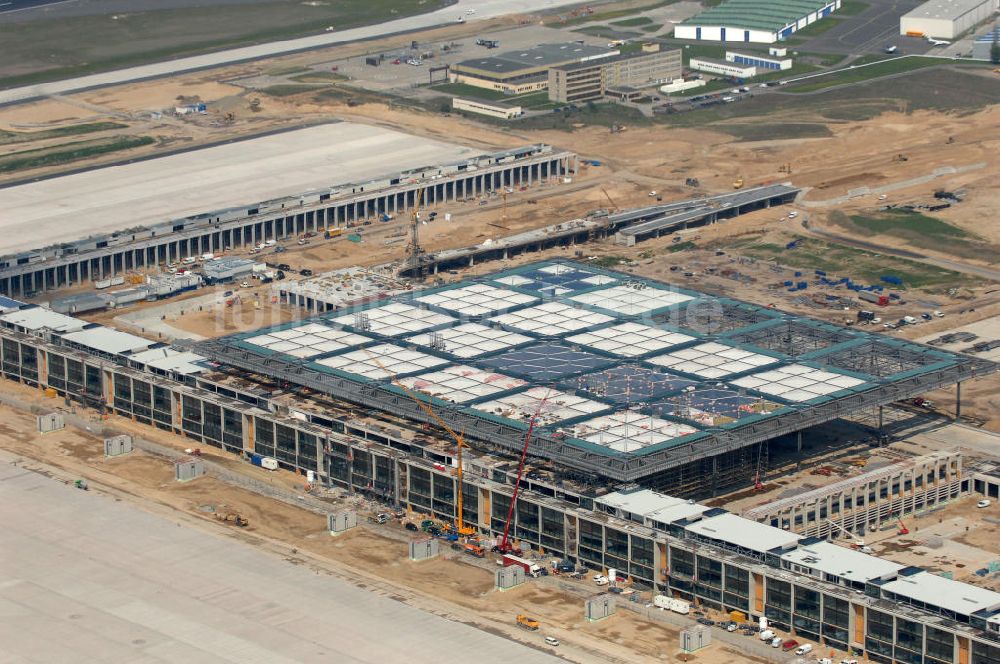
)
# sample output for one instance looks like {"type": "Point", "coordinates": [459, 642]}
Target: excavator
{"type": "Point", "coordinates": [458, 528]}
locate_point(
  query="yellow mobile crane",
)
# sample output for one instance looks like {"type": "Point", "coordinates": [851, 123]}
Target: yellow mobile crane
{"type": "Point", "coordinates": [459, 526]}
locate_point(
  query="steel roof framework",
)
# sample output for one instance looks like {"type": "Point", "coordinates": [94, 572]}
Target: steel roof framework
{"type": "Point", "coordinates": [896, 370]}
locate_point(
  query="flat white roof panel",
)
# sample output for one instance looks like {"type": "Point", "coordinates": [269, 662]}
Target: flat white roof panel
{"type": "Point", "coordinates": [944, 9]}
{"type": "Point", "coordinates": [743, 533]}
{"type": "Point", "coordinates": [829, 558]}
{"type": "Point", "coordinates": [108, 340]}
{"type": "Point", "coordinates": [168, 359]}
{"type": "Point", "coordinates": [37, 318]}
{"type": "Point", "coordinates": [950, 595]}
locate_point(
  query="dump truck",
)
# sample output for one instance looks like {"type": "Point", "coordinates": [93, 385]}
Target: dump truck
{"type": "Point", "coordinates": [475, 550]}
{"type": "Point", "coordinates": [525, 622]}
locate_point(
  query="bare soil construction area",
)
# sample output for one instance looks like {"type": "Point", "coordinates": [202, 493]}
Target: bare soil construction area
{"type": "Point", "coordinates": [370, 556]}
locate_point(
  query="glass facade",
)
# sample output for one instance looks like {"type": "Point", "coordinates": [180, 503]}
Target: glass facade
{"type": "Point", "coordinates": [806, 617]}
{"type": "Point", "coordinates": [880, 633]}
{"type": "Point", "coordinates": [591, 542]}
{"type": "Point", "coordinates": [778, 606]}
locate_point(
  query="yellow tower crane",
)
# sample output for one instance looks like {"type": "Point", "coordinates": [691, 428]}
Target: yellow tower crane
{"type": "Point", "coordinates": [459, 526]}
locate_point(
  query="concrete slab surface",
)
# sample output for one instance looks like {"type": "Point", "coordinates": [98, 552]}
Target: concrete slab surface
{"type": "Point", "coordinates": [87, 578]}
{"type": "Point", "coordinates": [483, 9]}
{"type": "Point", "coordinates": [241, 173]}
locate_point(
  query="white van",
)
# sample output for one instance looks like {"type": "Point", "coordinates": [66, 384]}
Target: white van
{"type": "Point", "coordinates": [804, 649]}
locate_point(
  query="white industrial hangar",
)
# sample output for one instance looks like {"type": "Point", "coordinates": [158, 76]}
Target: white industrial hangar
{"type": "Point", "coordinates": [945, 19]}
{"type": "Point", "coordinates": [754, 21]}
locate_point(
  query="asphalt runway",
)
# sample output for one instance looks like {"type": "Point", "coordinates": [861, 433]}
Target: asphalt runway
{"type": "Point", "coordinates": [21, 11]}
{"type": "Point", "coordinates": [88, 578]}
{"type": "Point", "coordinates": [870, 31]}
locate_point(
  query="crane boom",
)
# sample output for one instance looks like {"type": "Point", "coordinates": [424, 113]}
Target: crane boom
{"type": "Point", "coordinates": [459, 439]}
{"type": "Point", "coordinates": [504, 545]}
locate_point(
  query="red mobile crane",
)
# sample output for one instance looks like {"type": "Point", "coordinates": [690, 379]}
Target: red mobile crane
{"type": "Point", "coordinates": [504, 544]}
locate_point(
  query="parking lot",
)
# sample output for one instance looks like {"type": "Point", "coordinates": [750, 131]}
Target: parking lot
{"type": "Point", "coordinates": [390, 77]}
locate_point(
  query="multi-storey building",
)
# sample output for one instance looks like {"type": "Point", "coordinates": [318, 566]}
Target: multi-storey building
{"type": "Point", "coordinates": [589, 81]}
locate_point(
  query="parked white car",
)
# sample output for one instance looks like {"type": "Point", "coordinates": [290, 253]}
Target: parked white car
{"type": "Point", "coordinates": [985, 502]}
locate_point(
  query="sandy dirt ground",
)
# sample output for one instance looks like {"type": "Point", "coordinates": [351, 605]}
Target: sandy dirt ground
{"type": "Point", "coordinates": [450, 585]}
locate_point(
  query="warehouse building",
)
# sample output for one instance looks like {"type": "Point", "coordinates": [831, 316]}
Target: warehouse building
{"type": "Point", "coordinates": [982, 46]}
{"type": "Point", "coordinates": [520, 72]}
{"type": "Point", "coordinates": [945, 19]}
{"type": "Point", "coordinates": [226, 269]}
{"type": "Point", "coordinates": [754, 21]}
{"type": "Point", "coordinates": [592, 80]}
{"type": "Point", "coordinates": [722, 68]}
{"type": "Point", "coordinates": [491, 108]}
{"type": "Point", "coordinates": [760, 62]}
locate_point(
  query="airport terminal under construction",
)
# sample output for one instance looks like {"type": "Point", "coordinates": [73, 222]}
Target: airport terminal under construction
{"type": "Point", "coordinates": [607, 401]}
{"type": "Point", "coordinates": [643, 386]}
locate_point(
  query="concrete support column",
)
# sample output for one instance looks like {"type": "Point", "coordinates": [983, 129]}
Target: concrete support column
{"type": "Point", "coordinates": [798, 449]}
{"type": "Point", "coordinates": [958, 400]}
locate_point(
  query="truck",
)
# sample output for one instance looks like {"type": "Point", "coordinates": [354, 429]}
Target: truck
{"type": "Point", "coordinates": [874, 298]}
{"type": "Point", "coordinates": [475, 550]}
{"type": "Point", "coordinates": [565, 567]}
{"type": "Point", "coordinates": [672, 604]}
{"type": "Point", "coordinates": [269, 463]}
{"type": "Point", "coordinates": [767, 635]}
{"type": "Point", "coordinates": [524, 622]}
{"type": "Point", "coordinates": [529, 567]}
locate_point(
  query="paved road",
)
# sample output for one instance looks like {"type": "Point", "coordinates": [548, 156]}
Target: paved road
{"type": "Point", "coordinates": [483, 9]}
{"type": "Point", "coordinates": [87, 578]}
{"type": "Point", "coordinates": [11, 6]}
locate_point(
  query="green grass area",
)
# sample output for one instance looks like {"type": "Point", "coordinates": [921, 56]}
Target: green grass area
{"type": "Point", "coordinates": [287, 90]}
{"type": "Point", "coordinates": [600, 115]}
{"type": "Point", "coordinates": [607, 261]}
{"type": "Point", "coordinates": [916, 229]}
{"type": "Point", "coordinates": [851, 8]}
{"type": "Point", "coordinates": [64, 47]}
{"type": "Point", "coordinates": [681, 246]}
{"type": "Point", "coordinates": [475, 92]}
{"type": "Point", "coordinates": [633, 22]}
{"type": "Point", "coordinates": [535, 101]}
{"type": "Point", "coordinates": [860, 265]}
{"type": "Point", "coordinates": [760, 131]}
{"type": "Point", "coordinates": [318, 77]}
{"type": "Point", "coordinates": [64, 154]}
{"type": "Point", "coordinates": [858, 74]}
{"type": "Point", "coordinates": [815, 28]}
{"type": "Point", "coordinates": [617, 13]}
{"type": "Point", "coordinates": [10, 137]}
{"type": "Point", "coordinates": [650, 29]}
{"type": "Point", "coordinates": [689, 51]}
{"type": "Point", "coordinates": [603, 31]}
{"type": "Point", "coordinates": [909, 222]}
